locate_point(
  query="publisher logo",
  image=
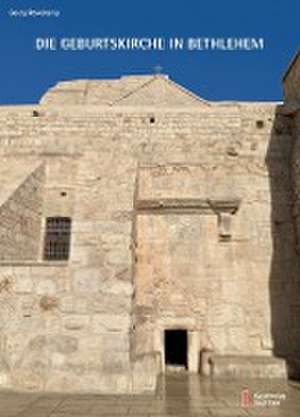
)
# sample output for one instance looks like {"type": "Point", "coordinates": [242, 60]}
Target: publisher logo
{"type": "Point", "coordinates": [246, 398]}
{"type": "Point", "coordinates": [261, 399]}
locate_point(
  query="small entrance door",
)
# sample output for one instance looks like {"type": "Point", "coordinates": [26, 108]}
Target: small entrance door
{"type": "Point", "coordinates": [176, 347]}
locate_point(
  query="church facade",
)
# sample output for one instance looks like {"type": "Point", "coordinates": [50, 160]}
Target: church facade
{"type": "Point", "coordinates": [144, 230]}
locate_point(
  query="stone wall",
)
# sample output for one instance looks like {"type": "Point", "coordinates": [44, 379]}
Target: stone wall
{"type": "Point", "coordinates": [21, 216]}
{"type": "Point", "coordinates": [289, 119]}
{"type": "Point", "coordinates": [148, 189]}
{"type": "Point", "coordinates": [236, 294]}
{"type": "Point", "coordinates": [291, 82]}
{"type": "Point", "coordinates": [56, 337]}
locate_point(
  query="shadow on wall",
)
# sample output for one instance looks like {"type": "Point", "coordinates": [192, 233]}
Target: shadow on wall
{"type": "Point", "coordinates": [285, 265]}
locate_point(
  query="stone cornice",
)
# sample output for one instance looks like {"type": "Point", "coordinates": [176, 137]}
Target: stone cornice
{"type": "Point", "coordinates": [203, 205]}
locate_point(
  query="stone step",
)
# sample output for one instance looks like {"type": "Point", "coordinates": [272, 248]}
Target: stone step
{"type": "Point", "coordinates": [235, 366]}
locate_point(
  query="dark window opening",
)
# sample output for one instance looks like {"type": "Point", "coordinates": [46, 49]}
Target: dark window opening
{"type": "Point", "coordinates": [260, 124]}
{"type": "Point", "coordinates": [57, 238]}
{"type": "Point", "coordinates": [152, 119]}
{"type": "Point", "coordinates": [35, 113]}
{"type": "Point", "coordinates": [176, 347]}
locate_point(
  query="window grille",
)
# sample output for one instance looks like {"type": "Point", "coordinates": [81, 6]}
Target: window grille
{"type": "Point", "coordinates": [57, 238]}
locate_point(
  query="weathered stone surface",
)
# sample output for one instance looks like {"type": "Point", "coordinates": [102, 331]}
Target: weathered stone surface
{"type": "Point", "coordinates": [4, 372]}
{"type": "Point", "coordinates": [23, 285]}
{"type": "Point", "coordinates": [244, 367]}
{"type": "Point", "coordinates": [183, 218]}
{"type": "Point", "coordinates": [101, 323]}
{"type": "Point", "coordinates": [20, 209]}
{"type": "Point", "coordinates": [48, 303]}
{"type": "Point", "coordinates": [77, 322]}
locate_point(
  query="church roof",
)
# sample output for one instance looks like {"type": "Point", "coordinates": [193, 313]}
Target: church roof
{"type": "Point", "coordinates": [136, 90]}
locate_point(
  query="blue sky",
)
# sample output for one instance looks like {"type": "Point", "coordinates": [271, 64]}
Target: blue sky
{"type": "Point", "coordinates": [213, 75]}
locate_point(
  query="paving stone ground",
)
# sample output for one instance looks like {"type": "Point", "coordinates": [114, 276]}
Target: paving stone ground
{"type": "Point", "coordinates": [177, 395]}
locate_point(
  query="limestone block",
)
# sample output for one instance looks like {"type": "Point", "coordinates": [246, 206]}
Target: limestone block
{"type": "Point", "coordinates": [60, 343]}
{"type": "Point", "coordinates": [72, 304]}
{"type": "Point", "coordinates": [63, 344]}
{"type": "Point", "coordinates": [115, 362]}
{"type": "Point", "coordinates": [102, 323]}
{"type": "Point", "coordinates": [237, 339]}
{"type": "Point", "coordinates": [4, 372]}
{"type": "Point", "coordinates": [123, 272]}
{"type": "Point", "coordinates": [75, 322]}
{"type": "Point", "coordinates": [110, 303]}
{"type": "Point", "coordinates": [224, 314]}
{"type": "Point", "coordinates": [31, 378]}
{"type": "Point", "coordinates": [248, 367]}
{"type": "Point", "coordinates": [144, 372]}
{"type": "Point", "coordinates": [66, 380]}
{"type": "Point", "coordinates": [23, 285]}
{"type": "Point", "coordinates": [80, 254]}
{"type": "Point", "coordinates": [117, 342]}
{"type": "Point", "coordinates": [117, 255]}
{"type": "Point", "coordinates": [87, 280]}
{"type": "Point", "coordinates": [176, 322]}
{"type": "Point", "coordinates": [115, 383]}
{"type": "Point", "coordinates": [122, 288]}
{"type": "Point", "coordinates": [193, 351]}
{"type": "Point", "coordinates": [218, 338]}
{"type": "Point", "coordinates": [46, 287]}
{"type": "Point", "coordinates": [48, 303]}
{"type": "Point", "coordinates": [58, 360]}
{"type": "Point", "coordinates": [143, 339]}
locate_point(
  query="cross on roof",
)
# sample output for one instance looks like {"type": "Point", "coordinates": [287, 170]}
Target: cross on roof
{"type": "Point", "coordinates": [158, 69]}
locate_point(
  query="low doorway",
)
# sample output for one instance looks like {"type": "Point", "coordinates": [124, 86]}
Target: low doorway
{"type": "Point", "coordinates": [176, 348]}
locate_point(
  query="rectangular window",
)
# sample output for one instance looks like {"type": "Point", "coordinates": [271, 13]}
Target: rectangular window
{"type": "Point", "coordinates": [57, 239]}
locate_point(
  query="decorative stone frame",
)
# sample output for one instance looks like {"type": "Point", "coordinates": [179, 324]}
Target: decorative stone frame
{"type": "Point", "coordinates": [193, 346]}
{"type": "Point", "coordinates": [223, 208]}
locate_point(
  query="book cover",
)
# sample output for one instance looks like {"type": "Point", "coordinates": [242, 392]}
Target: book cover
{"type": "Point", "coordinates": [149, 208]}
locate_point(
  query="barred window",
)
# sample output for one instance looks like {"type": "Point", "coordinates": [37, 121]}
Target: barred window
{"type": "Point", "coordinates": [57, 238]}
